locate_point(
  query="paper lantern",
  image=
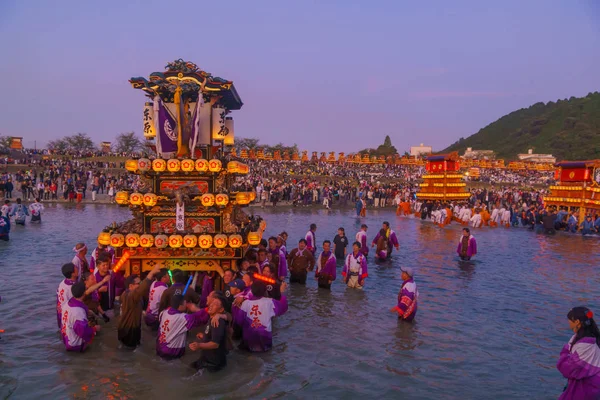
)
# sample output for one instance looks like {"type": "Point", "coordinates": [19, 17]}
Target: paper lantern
{"type": "Point", "coordinates": [122, 197]}
{"type": "Point", "coordinates": [190, 241]}
{"type": "Point", "coordinates": [104, 238]}
{"type": "Point", "coordinates": [242, 198]}
{"type": "Point", "coordinates": [175, 241]}
{"type": "Point", "coordinates": [221, 199]}
{"type": "Point", "coordinates": [263, 225]}
{"type": "Point", "coordinates": [254, 238]}
{"type": "Point", "coordinates": [205, 241]}
{"type": "Point", "coordinates": [131, 165]}
{"type": "Point", "coordinates": [187, 165]}
{"type": "Point", "coordinates": [146, 240]}
{"type": "Point", "coordinates": [161, 241]}
{"type": "Point", "coordinates": [148, 121]}
{"type": "Point", "coordinates": [229, 139]}
{"type": "Point", "coordinates": [132, 240]}
{"type": "Point", "coordinates": [215, 165]}
{"type": "Point", "coordinates": [208, 199]}
{"type": "Point", "coordinates": [252, 196]}
{"type": "Point", "coordinates": [232, 167]}
{"type": "Point", "coordinates": [220, 241]}
{"type": "Point", "coordinates": [144, 164]}
{"type": "Point", "coordinates": [235, 241]}
{"type": "Point", "coordinates": [173, 165]}
{"type": "Point", "coordinates": [136, 199]}
{"type": "Point", "coordinates": [219, 129]}
{"type": "Point", "coordinates": [117, 240]}
{"type": "Point", "coordinates": [201, 165]}
{"type": "Point", "coordinates": [159, 165]}
{"type": "Point", "coordinates": [150, 199]}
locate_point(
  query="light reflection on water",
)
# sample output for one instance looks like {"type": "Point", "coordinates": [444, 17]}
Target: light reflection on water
{"type": "Point", "coordinates": [494, 325]}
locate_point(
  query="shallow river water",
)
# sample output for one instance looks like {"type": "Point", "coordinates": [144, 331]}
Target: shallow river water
{"type": "Point", "coordinates": [490, 328]}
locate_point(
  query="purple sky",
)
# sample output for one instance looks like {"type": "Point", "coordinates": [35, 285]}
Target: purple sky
{"type": "Point", "coordinates": [327, 75]}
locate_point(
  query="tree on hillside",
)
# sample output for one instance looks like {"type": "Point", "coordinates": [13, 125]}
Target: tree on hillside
{"type": "Point", "coordinates": [58, 145]}
{"type": "Point", "coordinates": [281, 147]}
{"type": "Point", "coordinates": [79, 142]}
{"type": "Point", "coordinates": [127, 142]}
{"type": "Point", "coordinates": [387, 142]}
{"type": "Point", "coordinates": [5, 144]}
{"type": "Point", "coordinates": [245, 143]}
{"type": "Point", "coordinates": [386, 149]}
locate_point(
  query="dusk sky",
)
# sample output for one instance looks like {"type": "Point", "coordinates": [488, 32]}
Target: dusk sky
{"type": "Point", "coordinates": [327, 75]}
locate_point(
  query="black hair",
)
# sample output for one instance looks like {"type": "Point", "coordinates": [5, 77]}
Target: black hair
{"type": "Point", "coordinates": [6, 201]}
{"type": "Point", "coordinates": [382, 232]}
{"type": "Point", "coordinates": [273, 238]}
{"type": "Point", "coordinates": [258, 288]}
{"type": "Point", "coordinates": [588, 325]}
{"type": "Point", "coordinates": [263, 243]}
{"type": "Point", "coordinates": [386, 223]}
{"type": "Point", "coordinates": [302, 241]}
{"type": "Point", "coordinates": [178, 276]}
{"type": "Point", "coordinates": [19, 200]}
{"type": "Point", "coordinates": [364, 226]}
{"type": "Point", "coordinates": [221, 299]}
{"type": "Point", "coordinates": [161, 273]}
{"type": "Point", "coordinates": [313, 227]}
{"type": "Point", "coordinates": [467, 230]}
{"type": "Point", "coordinates": [263, 251]}
{"type": "Point", "coordinates": [357, 244]}
{"type": "Point", "coordinates": [130, 280]}
{"type": "Point", "coordinates": [104, 257]}
{"type": "Point", "coordinates": [251, 271]}
{"type": "Point", "coordinates": [85, 275]}
{"type": "Point", "coordinates": [341, 229]}
{"type": "Point", "coordinates": [68, 269]}
{"type": "Point", "coordinates": [176, 301]}
{"type": "Point", "coordinates": [78, 289]}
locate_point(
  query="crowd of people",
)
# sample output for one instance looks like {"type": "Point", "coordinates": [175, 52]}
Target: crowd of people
{"type": "Point", "coordinates": [232, 305]}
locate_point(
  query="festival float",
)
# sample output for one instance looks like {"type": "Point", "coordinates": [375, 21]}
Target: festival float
{"type": "Point", "coordinates": [578, 187]}
{"type": "Point", "coordinates": [185, 214]}
{"type": "Point", "coordinates": [443, 181]}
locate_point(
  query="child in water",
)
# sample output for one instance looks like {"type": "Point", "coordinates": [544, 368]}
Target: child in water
{"type": "Point", "coordinates": [579, 359]}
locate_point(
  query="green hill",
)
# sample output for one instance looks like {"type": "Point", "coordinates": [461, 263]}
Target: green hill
{"type": "Point", "coordinates": [568, 129]}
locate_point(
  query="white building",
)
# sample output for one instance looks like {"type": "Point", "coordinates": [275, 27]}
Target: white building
{"type": "Point", "coordinates": [479, 154]}
{"type": "Point", "coordinates": [417, 151]}
{"type": "Point", "coordinates": [537, 158]}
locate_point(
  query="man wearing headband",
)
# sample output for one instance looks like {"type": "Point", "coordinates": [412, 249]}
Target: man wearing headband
{"type": "Point", "coordinates": [79, 260]}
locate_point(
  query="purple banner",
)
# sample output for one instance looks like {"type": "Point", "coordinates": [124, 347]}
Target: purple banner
{"type": "Point", "coordinates": [167, 130]}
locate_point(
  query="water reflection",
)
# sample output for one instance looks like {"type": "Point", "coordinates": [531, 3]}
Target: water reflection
{"type": "Point", "coordinates": [490, 325]}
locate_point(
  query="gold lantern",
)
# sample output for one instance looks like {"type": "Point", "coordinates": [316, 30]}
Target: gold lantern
{"type": "Point", "coordinates": [221, 199]}
{"type": "Point", "coordinates": [252, 196]}
{"type": "Point", "coordinates": [232, 167]}
{"type": "Point", "coordinates": [104, 238]}
{"type": "Point", "coordinates": [242, 198]}
{"type": "Point", "coordinates": [220, 241]}
{"type": "Point", "coordinates": [215, 165]}
{"type": "Point", "coordinates": [117, 240]}
{"type": "Point", "coordinates": [205, 241]}
{"type": "Point", "coordinates": [201, 165]}
{"type": "Point", "coordinates": [136, 199]}
{"type": "Point", "coordinates": [146, 240]}
{"type": "Point", "coordinates": [144, 164]}
{"type": "Point", "coordinates": [173, 165]}
{"type": "Point", "coordinates": [208, 199]}
{"type": "Point", "coordinates": [235, 241]}
{"type": "Point", "coordinates": [150, 199]}
{"type": "Point", "coordinates": [159, 165]}
{"type": "Point", "coordinates": [190, 241]}
{"type": "Point", "coordinates": [254, 238]}
{"type": "Point", "coordinates": [132, 240]}
{"type": "Point", "coordinates": [187, 165]}
{"type": "Point", "coordinates": [243, 169]}
{"type": "Point", "coordinates": [122, 197]}
{"type": "Point", "coordinates": [149, 129]}
{"type": "Point", "coordinates": [161, 241]}
{"type": "Point", "coordinates": [175, 241]}
{"type": "Point", "coordinates": [131, 165]}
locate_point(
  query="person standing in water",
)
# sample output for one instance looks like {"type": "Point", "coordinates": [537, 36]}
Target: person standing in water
{"type": "Point", "coordinates": [35, 209]}
{"type": "Point", "coordinates": [326, 267]}
{"type": "Point", "coordinates": [300, 261]}
{"type": "Point", "coordinates": [355, 268]}
{"type": "Point", "coordinates": [391, 238]}
{"type": "Point", "coordinates": [361, 237]}
{"type": "Point", "coordinates": [467, 245]}
{"type": "Point", "coordinates": [311, 239]}
{"type": "Point", "coordinates": [408, 296]}
{"type": "Point", "coordinates": [579, 359]}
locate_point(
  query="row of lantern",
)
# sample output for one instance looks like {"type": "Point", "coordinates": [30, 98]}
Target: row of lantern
{"type": "Point", "coordinates": [187, 165]}
{"type": "Point", "coordinates": [176, 241]}
{"type": "Point", "coordinates": [207, 199]}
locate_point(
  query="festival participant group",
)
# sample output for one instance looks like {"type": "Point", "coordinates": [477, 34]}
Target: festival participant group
{"type": "Point", "coordinates": [237, 307]}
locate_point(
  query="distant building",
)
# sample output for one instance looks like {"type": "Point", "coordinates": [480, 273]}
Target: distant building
{"type": "Point", "coordinates": [416, 151]}
{"type": "Point", "coordinates": [536, 158]}
{"type": "Point", "coordinates": [471, 154]}
{"type": "Point", "coordinates": [16, 143]}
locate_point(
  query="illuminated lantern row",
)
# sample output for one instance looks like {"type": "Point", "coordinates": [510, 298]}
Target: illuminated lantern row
{"type": "Point", "coordinates": [175, 241]}
{"type": "Point", "coordinates": [187, 165]}
{"type": "Point", "coordinates": [207, 199]}
{"type": "Point", "coordinates": [122, 197]}
{"type": "Point", "coordinates": [221, 199]}
{"type": "Point", "coordinates": [242, 198]}
{"type": "Point", "coordinates": [150, 199]}
{"type": "Point", "coordinates": [136, 199]}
